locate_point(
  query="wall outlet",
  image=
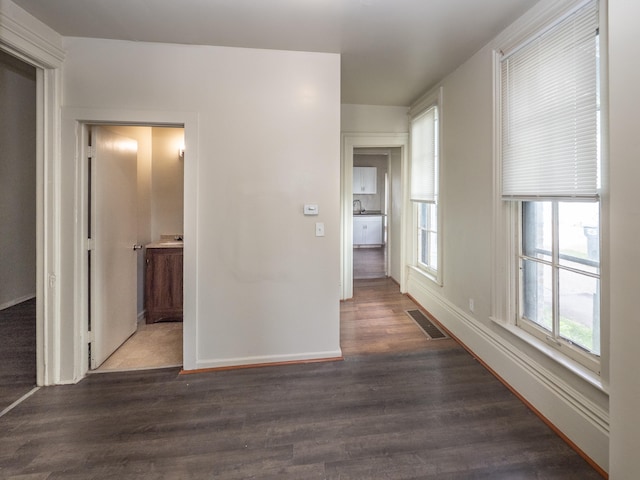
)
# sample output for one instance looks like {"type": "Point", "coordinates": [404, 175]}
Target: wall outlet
{"type": "Point", "coordinates": [319, 229]}
{"type": "Point", "coordinates": [472, 305]}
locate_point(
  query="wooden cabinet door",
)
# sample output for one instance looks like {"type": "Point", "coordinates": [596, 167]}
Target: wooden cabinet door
{"type": "Point", "coordinates": [163, 289]}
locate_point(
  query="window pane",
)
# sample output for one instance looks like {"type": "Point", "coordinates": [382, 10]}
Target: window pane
{"type": "Point", "coordinates": [537, 293]}
{"type": "Point", "coordinates": [579, 235]}
{"type": "Point", "coordinates": [536, 230]}
{"type": "Point", "coordinates": [423, 247]}
{"type": "Point", "coordinates": [579, 308]}
{"type": "Point", "coordinates": [422, 215]}
{"type": "Point", "coordinates": [433, 256]}
{"type": "Point", "coordinates": [433, 221]}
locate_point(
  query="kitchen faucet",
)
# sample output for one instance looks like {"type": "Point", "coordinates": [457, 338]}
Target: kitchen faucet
{"type": "Point", "coordinates": [359, 210]}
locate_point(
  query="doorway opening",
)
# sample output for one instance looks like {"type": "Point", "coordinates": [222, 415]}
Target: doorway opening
{"type": "Point", "coordinates": [396, 145]}
{"type": "Point", "coordinates": [18, 219]}
{"type": "Point", "coordinates": [370, 212]}
{"type": "Point", "coordinates": [135, 197]}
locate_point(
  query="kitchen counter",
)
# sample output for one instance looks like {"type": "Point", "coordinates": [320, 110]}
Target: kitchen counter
{"type": "Point", "coordinates": [371, 213]}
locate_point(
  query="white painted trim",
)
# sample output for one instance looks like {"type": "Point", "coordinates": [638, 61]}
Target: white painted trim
{"type": "Point", "coordinates": [17, 301]}
{"type": "Point", "coordinates": [74, 122]}
{"type": "Point", "coordinates": [19, 401]}
{"type": "Point", "coordinates": [537, 19]}
{"type": "Point", "coordinates": [366, 140]}
{"type": "Point", "coordinates": [434, 97]}
{"type": "Point", "coordinates": [264, 359]}
{"type": "Point", "coordinates": [37, 43]}
{"type": "Point", "coordinates": [30, 40]}
{"type": "Point", "coordinates": [584, 422]}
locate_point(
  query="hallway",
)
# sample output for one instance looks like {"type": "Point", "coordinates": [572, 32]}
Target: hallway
{"type": "Point", "coordinates": [375, 321]}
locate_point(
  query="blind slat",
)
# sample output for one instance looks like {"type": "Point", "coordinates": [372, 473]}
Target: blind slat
{"type": "Point", "coordinates": [424, 156]}
{"type": "Point", "coordinates": [550, 112]}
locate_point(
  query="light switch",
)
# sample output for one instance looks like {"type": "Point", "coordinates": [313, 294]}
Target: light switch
{"type": "Point", "coordinates": [319, 229]}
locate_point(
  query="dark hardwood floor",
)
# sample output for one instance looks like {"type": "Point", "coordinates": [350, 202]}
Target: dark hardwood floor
{"type": "Point", "coordinates": [426, 413]}
{"type": "Point", "coordinates": [17, 352]}
{"type": "Point", "coordinates": [374, 321]}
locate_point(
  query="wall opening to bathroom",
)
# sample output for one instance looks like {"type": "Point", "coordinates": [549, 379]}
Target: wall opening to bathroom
{"type": "Point", "coordinates": [151, 334]}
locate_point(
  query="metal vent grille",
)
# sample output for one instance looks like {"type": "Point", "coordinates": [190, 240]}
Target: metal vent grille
{"type": "Point", "coordinates": [423, 322]}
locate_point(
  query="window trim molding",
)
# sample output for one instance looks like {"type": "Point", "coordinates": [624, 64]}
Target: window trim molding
{"type": "Point", "coordinates": [504, 295]}
{"type": "Point", "coordinates": [431, 98]}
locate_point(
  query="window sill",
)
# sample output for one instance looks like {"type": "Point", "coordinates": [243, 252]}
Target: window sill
{"type": "Point", "coordinates": [574, 367]}
{"type": "Point", "coordinates": [426, 274]}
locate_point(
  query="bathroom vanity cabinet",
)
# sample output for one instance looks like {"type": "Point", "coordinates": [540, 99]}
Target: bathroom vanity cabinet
{"type": "Point", "coordinates": [163, 282]}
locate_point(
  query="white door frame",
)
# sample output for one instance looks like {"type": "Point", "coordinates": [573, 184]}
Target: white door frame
{"type": "Point", "coordinates": [26, 40]}
{"type": "Point", "coordinates": [367, 140]}
{"type": "Point", "coordinates": [74, 129]}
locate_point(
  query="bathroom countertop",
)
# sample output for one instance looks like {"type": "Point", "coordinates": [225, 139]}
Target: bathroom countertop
{"type": "Point", "coordinates": [165, 244]}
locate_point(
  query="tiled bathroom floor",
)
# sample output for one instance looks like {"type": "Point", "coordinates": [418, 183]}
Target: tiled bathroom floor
{"type": "Point", "coordinates": [152, 346]}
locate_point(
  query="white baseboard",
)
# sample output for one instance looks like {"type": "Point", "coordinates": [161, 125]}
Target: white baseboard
{"type": "Point", "coordinates": [267, 359]}
{"type": "Point", "coordinates": [583, 422]}
{"type": "Point", "coordinates": [16, 301]}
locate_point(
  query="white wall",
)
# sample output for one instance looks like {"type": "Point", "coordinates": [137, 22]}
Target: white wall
{"type": "Point", "coordinates": [259, 286]}
{"type": "Point", "coordinates": [575, 405]}
{"type": "Point", "coordinates": [373, 119]}
{"type": "Point", "coordinates": [167, 184]}
{"type": "Point", "coordinates": [624, 171]}
{"type": "Point", "coordinates": [17, 181]}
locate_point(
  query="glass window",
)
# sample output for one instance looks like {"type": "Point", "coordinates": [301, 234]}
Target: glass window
{"type": "Point", "coordinates": [550, 170]}
{"type": "Point", "coordinates": [424, 186]}
{"type": "Point", "coordinates": [428, 236]}
{"type": "Point", "coordinates": [560, 272]}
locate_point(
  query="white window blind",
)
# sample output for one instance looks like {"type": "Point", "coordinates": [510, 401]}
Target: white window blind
{"type": "Point", "coordinates": [424, 156]}
{"type": "Point", "coordinates": [550, 112]}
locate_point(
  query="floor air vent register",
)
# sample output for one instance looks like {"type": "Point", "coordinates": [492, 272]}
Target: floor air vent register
{"type": "Point", "coordinates": [425, 324]}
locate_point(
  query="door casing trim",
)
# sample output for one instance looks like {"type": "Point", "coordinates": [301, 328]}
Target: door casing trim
{"type": "Point", "coordinates": [367, 140]}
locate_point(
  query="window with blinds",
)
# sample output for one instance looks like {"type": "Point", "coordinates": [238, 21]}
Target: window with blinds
{"type": "Point", "coordinates": [550, 112]}
{"type": "Point", "coordinates": [550, 171]}
{"type": "Point", "coordinates": [424, 156]}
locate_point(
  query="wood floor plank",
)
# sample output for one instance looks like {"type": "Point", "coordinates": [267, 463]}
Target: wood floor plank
{"type": "Point", "coordinates": [430, 412]}
{"type": "Point", "coordinates": [374, 321]}
{"type": "Point", "coordinates": [17, 351]}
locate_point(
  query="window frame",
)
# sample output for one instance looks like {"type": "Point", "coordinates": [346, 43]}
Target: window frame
{"type": "Point", "coordinates": [434, 99]}
{"type": "Point", "coordinates": [506, 214]}
{"type": "Point", "coordinates": [430, 228]}
{"type": "Point", "coordinates": [552, 337]}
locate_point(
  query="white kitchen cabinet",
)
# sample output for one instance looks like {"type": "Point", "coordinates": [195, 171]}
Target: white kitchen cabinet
{"type": "Point", "coordinates": [367, 230]}
{"type": "Point", "coordinates": [365, 180]}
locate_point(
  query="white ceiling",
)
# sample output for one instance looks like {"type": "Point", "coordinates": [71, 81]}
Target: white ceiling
{"type": "Point", "coordinates": [392, 50]}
